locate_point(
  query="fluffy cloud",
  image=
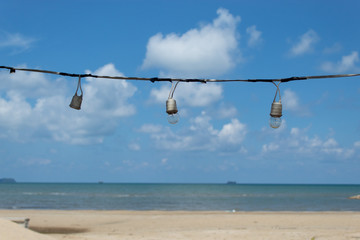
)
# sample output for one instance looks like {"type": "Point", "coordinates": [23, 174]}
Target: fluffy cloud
{"type": "Point", "coordinates": [108, 97]}
{"type": "Point", "coordinates": [134, 147]}
{"type": "Point", "coordinates": [15, 41]}
{"type": "Point", "coordinates": [270, 147]}
{"type": "Point", "coordinates": [202, 52]}
{"type": "Point", "coordinates": [190, 94]}
{"type": "Point", "coordinates": [347, 63]}
{"type": "Point", "coordinates": [44, 113]}
{"type": "Point", "coordinates": [299, 143]}
{"type": "Point", "coordinates": [291, 102]}
{"type": "Point", "coordinates": [254, 36]}
{"type": "Point", "coordinates": [30, 84]}
{"type": "Point", "coordinates": [164, 161]}
{"type": "Point", "coordinates": [226, 111]}
{"type": "Point", "coordinates": [335, 48]}
{"type": "Point", "coordinates": [305, 43]}
{"type": "Point", "coordinates": [233, 132]}
{"type": "Point", "coordinates": [150, 128]}
{"type": "Point", "coordinates": [357, 144]}
{"type": "Point", "coordinates": [200, 135]}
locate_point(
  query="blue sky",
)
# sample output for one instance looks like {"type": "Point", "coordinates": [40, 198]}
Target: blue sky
{"type": "Point", "coordinates": [122, 135]}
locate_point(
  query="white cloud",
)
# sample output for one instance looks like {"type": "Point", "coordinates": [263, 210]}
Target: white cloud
{"type": "Point", "coordinates": [337, 47]}
{"type": "Point", "coordinates": [254, 36]}
{"type": "Point", "coordinates": [150, 128]}
{"type": "Point", "coordinates": [347, 63]}
{"type": "Point", "coordinates": [226, 111]}
{"type": "Point", "coordinates": [201, 135]}
{"type": "Point", "coordinates": [300, 144]}
{"type": "Point", "coordinates": [108, 97]}
{"type": "Point", "coordinates": [15, 40]}
{"type": "Point", "coordinates": [294, 131]}
{"type": "Point", "coordinates": [270, 147]}
{"type": "Point", "coordinates": [291, 102]}
{"type": "Point", "coordinates": [233, 132]}
{"type": "Point", "coordinates": [201, 52]}
{"type": "Point", "coordinates": [305, 43]}
{"type": "Point", "coordinates": [31, 84]}
{"type": "Point", "coordinates": [331, 142]}
{"type": "Point", "coordinates": [189, 94]}
{"type": "Point", "coordinates": [357, 144]}
{"type": "Point", "coordinates": [134, 147]}
{"type": "Point", "coordinates": [14, 110]}
{"type": "Point", "coordinates": [45, 113]}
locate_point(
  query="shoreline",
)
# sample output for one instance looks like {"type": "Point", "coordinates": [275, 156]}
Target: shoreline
{"type": "Point", "coordinates": [161, 225]}
{"type": "Point", "coordinates": [3, 210]}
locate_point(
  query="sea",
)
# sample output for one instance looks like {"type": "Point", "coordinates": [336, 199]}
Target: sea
{"type": "Point", "coordinates": [177, 197]}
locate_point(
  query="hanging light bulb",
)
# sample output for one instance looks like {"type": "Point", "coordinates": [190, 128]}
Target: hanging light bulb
{"type": "Point", "coordinates": [172, 111]}
{"type": "Point", "coordinates": [77, 100]}
{"type": "Point", "coordinates": [275, 114]}
{"type": "Point", "coordinates": [276, 110]}
{"type": "Point", "coordinates": [171, 108]}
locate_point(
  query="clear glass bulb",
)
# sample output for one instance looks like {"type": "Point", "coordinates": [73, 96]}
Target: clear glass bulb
{"type": "Point", "coordinates": [275, 122]}
{"type": "Point", "coordinates": [173, 118]}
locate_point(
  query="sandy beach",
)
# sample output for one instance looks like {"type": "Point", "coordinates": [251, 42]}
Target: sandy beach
{"type": "Point", "coordinates": [81, 225]}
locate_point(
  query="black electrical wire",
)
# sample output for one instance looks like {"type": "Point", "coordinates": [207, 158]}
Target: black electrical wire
{"type": "Point", "coordinates": [156, 79]}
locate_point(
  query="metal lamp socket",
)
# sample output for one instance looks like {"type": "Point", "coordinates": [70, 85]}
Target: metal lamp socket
{"type": "Point", "coordinates": [276, 109]}
{"type": "Point", "coordinates": [171, 106]}
{"type": "Point", "coordinates": [76, 102]}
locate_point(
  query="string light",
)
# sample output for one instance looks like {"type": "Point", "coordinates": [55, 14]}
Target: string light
{"type": "Point", "coordinates": [171, 108]}
{"type": "Point", "coordinates": [77, 99]}
{"type": "Point", "coordinates": [276, 109]}
{"type": "Point", "coordinates": [156, 79]}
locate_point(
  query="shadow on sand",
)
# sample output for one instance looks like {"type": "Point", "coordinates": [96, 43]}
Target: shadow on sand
{"type": "Point", "coordinates": [58, 230]}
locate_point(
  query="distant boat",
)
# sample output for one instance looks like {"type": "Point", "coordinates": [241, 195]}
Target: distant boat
{"type": "Point", "coordinates": [100, 182]}
{"type": "Point", "coordinates": [231, 182]}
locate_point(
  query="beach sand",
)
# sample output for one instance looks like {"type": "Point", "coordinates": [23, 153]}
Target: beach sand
{"type": "Point", "coordinates": [161, 225]}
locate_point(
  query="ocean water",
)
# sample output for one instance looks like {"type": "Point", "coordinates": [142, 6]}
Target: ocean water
{"type": "Point", "coordinates": [190, 197]}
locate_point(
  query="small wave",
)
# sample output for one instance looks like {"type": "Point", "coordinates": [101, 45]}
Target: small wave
{"type": "Point", "coordinates": [122, 195]}
{"type": "Point", "coordinates": [232, 211]}
{"type": "Point", "coordinates": [58, 194]}
{"type": "Point", "coordinates": [43, 193]}
{"type": "Point", "coordinates": [32, 193]}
